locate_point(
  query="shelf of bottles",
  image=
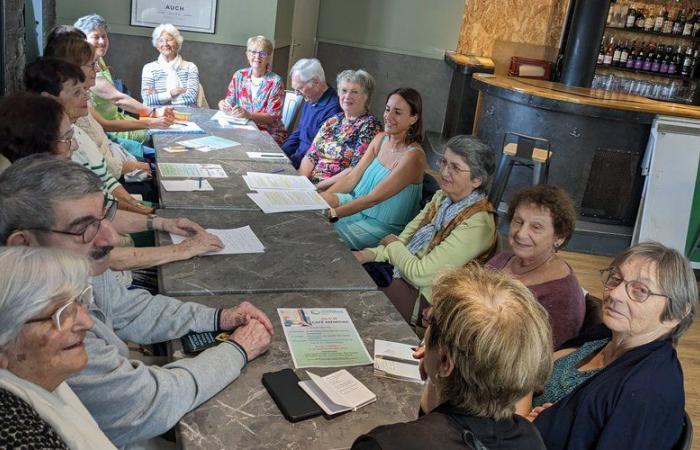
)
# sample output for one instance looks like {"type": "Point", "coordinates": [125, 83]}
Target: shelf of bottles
{"type": "Point", "coordinates": [661, 63]}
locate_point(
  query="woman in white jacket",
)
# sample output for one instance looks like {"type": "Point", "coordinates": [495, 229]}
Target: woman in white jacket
{"type": "Point", "coordinates": [44, 295]}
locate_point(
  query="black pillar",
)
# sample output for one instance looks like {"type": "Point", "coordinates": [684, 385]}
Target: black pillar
{"type": "Point", "coordinates": [583, 41]}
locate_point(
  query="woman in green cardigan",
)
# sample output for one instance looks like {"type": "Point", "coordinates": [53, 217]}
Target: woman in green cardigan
{"type": "Point", "coordinates": [456, 227]}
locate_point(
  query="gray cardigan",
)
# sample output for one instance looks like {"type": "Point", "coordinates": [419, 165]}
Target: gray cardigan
{"type": "Point", "coordinates": [131, 401]}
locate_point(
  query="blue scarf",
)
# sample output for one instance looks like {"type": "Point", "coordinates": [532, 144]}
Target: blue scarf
{"type": "Point", "coordinates": [448, 210]}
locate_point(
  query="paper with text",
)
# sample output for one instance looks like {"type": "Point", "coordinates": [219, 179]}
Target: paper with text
{"type": "Point", "coordinates": [337, 392]}
{"type": "Point", "coordinates": [395, 360]}
{"type": "Point", "coordinates": [236, 241]}
{"type": "Point", "coordinates": [186, 185]}
{"type": "Point", "coordinates": [274, 201]}
{"type": "Point", "coordinates": [208, 143]}
{"type": "Point", "coordinates": [179, 170]}
{"type": "Point", "coordinates": [257, 181]}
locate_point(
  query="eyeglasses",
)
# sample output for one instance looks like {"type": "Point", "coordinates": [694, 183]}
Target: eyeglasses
{"type": "Point", "coordinates": [260, 53]}
{"type": "Point", "coordinates": [91, 229]}
{"type": "Point", "coordinates": [451, 167]}
{"type": "Point", "coordinates": [69, 310]}
{"type": "Point", "coordinates": [68, 139]}
{"type": "Point", "coordinates": [94, 66]}
{"type": "Point", "coordinates": [636, 290]}
{"type": "Point", "coordinates": [299, 90]}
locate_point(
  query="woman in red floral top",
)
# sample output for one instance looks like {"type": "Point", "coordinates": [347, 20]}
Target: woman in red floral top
{"type": "Point", "coordinates": [256, 93]}
{"type": "Point", "coordinates": [343, 138]}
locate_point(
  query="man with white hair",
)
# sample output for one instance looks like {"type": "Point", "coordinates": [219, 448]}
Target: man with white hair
{"type": "Point", "coordinates": [320, 103]}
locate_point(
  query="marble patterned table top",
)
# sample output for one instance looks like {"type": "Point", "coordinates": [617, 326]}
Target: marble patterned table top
{"type": "Point", "coordinates": [244, 416]}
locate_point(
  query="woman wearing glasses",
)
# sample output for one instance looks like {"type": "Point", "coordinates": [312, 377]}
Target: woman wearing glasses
{"type": "Point", "coordinates": [43, 321]}
{"type": "Point", "coordinates": [456, 227]}
{"type": "Point", "coordinates": [542, 219]}
{"type": "Point", "coordinates": [622, 386]}
{"type": "Point", "coordinates": [256, 93]}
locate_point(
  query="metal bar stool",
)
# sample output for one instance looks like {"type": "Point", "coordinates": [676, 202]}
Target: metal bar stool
{"type": "Point", "coordinates": [520, 150]}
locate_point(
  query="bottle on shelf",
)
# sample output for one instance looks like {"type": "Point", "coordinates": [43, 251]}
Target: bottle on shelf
{"type": "Point", "coordinates": [660, 19]}
{"type": "Point", "coordinates": [649, 58]}
{"type": "Point", "coordinates": [689, 23]}
{"type": "Point", "coordinates": [632, 56]}
{"type": "Point", "coordinates": [687, 62]}
{"type": "Point", "coordinates": [631, 17]}
{"type": "Point", "coordinates": [656, 61]}
{"type": "Point", "coordinates": [624, 55]}
{"type": "Point", "coordinates": [665, 60]}
{"type": "Point", "coordinates": [669, 23]}
{"type": "Point", "coordinates": [679, 24]}
{"type": "Point", "coordinates": [696, 25]}
{"type": "Point", "coordinates": [609, 51]}
{"type": "Point", "coordinates": [641, 17]}
{"type": "Point", "coordinates": [694, 67]}
{"type": "Point", "coordinates": [617, 52]}
{"type": "Point", "coordinates": [649, 21]}
{"type": "Point", "coordinates": [639, 62]}
{"type": "Point", "coordinates": [611, 12]}
{"type": "Point", "coordinates": [675, 61]}
{"type": "Point", "coordinates": [601, 52]}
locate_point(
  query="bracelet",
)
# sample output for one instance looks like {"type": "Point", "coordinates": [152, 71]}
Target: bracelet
{"type": "Point", "coordinates": [150, 222]}
{"type": "Point", "coordinates": [332, 216]}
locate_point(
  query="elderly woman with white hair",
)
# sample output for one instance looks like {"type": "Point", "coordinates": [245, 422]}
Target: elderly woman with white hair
{"type": "Point", "coordinates": [44, 296]}
{"type": "Point", "coordinates": [169, 80]}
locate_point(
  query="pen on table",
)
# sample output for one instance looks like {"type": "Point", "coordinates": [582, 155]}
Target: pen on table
{"type": "Point", "coordinates": [277, 171]}
{"type": "Point", "coordinates": [200, 182]}
{"type": "Point", "coordinates": [398, 360]}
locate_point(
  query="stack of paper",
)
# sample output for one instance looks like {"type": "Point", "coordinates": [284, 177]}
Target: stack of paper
{"type": "Point", "coordinates": [178, 170]}
{"type": "Point", "coordinates": [236, 241]}
{"type": "Point", "coordinates": [283, 193]}
{"type": "Point", "coordinates": [226, 121]}
{"type": "Point", "coordinates": [179, 128]}
{"type": "Point", "coordinates": [338, 392]}
{"type": "Point", "coordinates": [394, 360]}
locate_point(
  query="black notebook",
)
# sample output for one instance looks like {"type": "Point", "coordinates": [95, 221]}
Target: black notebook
{"type": "Point", "coordinates": [293, 402]}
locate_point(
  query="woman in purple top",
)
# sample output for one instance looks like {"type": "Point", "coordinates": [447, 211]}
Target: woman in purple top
{"type": "Point", "coordinates": [542, 219]}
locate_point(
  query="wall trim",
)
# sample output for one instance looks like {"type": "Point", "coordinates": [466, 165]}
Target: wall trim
{"type": "Point", "coordinates": [438, 53]}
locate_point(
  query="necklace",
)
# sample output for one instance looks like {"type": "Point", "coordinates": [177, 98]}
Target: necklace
{"type": "Point", "coordinates": [518, 275]}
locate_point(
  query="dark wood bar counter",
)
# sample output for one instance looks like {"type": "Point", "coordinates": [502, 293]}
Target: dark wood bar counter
{"type": "Point", "coordinates": [597, 138]}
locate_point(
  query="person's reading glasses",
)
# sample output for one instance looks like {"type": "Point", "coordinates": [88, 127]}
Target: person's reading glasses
{"type": "Point", "coordinates": [90, 231]}
{"type": "Point", "coordinates": [637, 291]}
{"type": "Point", "coordinates": [69, 309]}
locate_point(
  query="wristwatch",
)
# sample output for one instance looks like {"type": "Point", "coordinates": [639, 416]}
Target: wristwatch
{"type": "Point", "coordinates": [332, 216]}
{"type": "Point", "coordinates": [150, 220]}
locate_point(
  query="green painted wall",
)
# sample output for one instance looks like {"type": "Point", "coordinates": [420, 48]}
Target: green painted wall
{"type": "Point", "coordinates": [236, 20]}
{"type": "Point", "coordinates": [411, 27]}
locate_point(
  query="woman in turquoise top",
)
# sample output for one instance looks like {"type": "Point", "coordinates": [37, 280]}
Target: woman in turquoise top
{"type": "Point", "coordinates": [381, 194]}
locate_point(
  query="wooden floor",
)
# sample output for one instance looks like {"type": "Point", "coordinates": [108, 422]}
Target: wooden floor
{"type": "Point", "coordinates": [587, 267]}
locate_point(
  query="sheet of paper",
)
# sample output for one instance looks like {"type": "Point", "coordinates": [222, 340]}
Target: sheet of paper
{"type": "Point", "coordinates": [322, 337]}
{"type": "Point", "coordinates": [179, 128]}
{"type": "Point", "coordinates": [395, 360]}
{"type": "Point", "coordinates": [266, 155]}
{"type": "Point", "coordinates": [258, 180]}
{"type": "Point", "coordinates": [236, 241]}
{"type": "Point", "coordinates": [222, 116]}
{"type": "Point", "coordinates": [208, 143]}
{"type": "Point", "coordinates": [186, 185]}
{"type": "Point", "coordinates": [275, 201]}
{"type": "Point", "coordinates": [178, 170]}
{"type": "Point", "coordinates": [337, 392]}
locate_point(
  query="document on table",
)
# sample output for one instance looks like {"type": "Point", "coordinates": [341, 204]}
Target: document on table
{"type": "Point", "coordinates": [186, 185]}
{"type": "Point", "coordinates": [322, 337]}
{"type": "Point", "coordinates": [179, 170]}
{"type": "Point", "coordinates": [257, 181]}
{"type": "Point", "coordinates": [266, 155]}
{"type": "Point", "coordinates": [227, 121]}
{"type": "Point", "coordinates": [274, 201]}
{"type": "Point", "coordinates": [337, 392]}
{"type": "Point", "coordinates": [395, 360]}
{"type": "Point", "coordinates": [179, 128]}
{"type": "Point", "coordinates": [208, 143]}
{"type": "Point", "coordinates": [236, 241]}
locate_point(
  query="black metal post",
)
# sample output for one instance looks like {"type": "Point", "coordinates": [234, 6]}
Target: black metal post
{"type": "Point", "coordinates": [583, 41]}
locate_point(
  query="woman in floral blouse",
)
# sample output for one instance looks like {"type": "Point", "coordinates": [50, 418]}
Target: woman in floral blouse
{"type": "Point", "coordinates": [343, 139]}
{"type": "Point", "coordinates": [256, 93]}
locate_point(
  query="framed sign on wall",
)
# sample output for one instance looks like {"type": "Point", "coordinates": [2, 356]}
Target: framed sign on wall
{"type": "Point", "coordinates": [189, 15]}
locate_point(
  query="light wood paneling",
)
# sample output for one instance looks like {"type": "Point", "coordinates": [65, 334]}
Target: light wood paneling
{"type": "Point", "coordinates": [587, 267]}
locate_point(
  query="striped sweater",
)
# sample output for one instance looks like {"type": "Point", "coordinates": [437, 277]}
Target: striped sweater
{"type": "Point", "coordinates": [89, 156]}
{"type": "Point", "coordinates": [154, 77]}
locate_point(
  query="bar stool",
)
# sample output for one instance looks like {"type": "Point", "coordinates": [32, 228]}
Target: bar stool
{"type": "Point", "coordinates": [520, 150]}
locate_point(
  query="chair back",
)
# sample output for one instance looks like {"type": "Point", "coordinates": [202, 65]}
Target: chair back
{"type": "Point", "coordinates": [202, 98]}
{"type": "Point", "coordinates": [291, 108]}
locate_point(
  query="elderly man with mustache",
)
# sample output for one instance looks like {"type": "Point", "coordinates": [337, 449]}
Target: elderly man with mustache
{"type": "Point", "coordinates": [49, 202]}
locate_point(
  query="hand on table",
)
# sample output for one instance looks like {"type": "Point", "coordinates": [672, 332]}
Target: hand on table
{"type": "Point", "coordinates": [388, 239]}
{"type": "Point", "coordinates": [242, 315]}
{"type": "Point", "coordinates": [166, 111]}
{"type": "Point", "coordinates": [160, 122]}
{"type": "Point", "coordinates": [224, 106]}
{"type": "Point", "coordinates": [200, 244]}
{"type": "Point", "coordinates": [238, 111]}
{"type": "Point", "coordinates": [253, 337]}
{"type": "Point", "coordinates": [179, 226]}
{"type": "Point", "coordinates": [363, 256]}
{"type": "Point", "coordinates": [537, 410]}
{"type": "Point", "coordinates": [177, 91]}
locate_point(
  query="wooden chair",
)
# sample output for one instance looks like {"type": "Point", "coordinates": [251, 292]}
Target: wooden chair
{"type": "Point", "coordinates": [520, 150]}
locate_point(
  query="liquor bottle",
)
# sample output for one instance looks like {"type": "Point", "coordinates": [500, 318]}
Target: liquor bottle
{"type": "Point", "coordinates": [667, 27]}
{"type": "Point", "coordinates": [665, 61]}
{"type": "Point", "coordinates": [639, 62]}
{"type": "Point", "coordinates": [601, 52]}
{"type": "Point", "coordinates": [616, 55]}
{"type": "Point", "coordinates": [641, 17]}
{"type": "Point", "coordinates": [695, 62]}
{"type": "Point", "coordinates": [696, 25]}
{"type": "Point", "coordinates": [676, 61]}
{"type": "Point", "coordinates": [649, 58]}
{"type": "Point", "coordinates": [687, 62]}
{"type": "Point", "coordinates": [632, 56]}
{"type": "Point", "coordinates": [607, 59]}
{"type": "Point", "coordinates": [656, 61]}
{"type": "Point", "coordinates": [679, 24]}
{"type": "Point", "coordinates": [624, 55]}
{"type": "Point", "coordinates": [608, 22]}
{"type": "Point", "coordinates": [631, 18]}
{"type": "Point", "coordinates": [649, 22]}
{"type": "Point", "coordinates": [689, 23]}
{"type": "Point", "coordinates": [659, 22]}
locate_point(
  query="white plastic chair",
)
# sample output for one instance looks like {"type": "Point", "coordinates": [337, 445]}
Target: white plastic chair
{"type": "Point", "coordinates": [291, 108]}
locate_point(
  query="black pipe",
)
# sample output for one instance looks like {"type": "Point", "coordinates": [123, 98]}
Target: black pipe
{"type": "Point", "coordinates": [583, 41]}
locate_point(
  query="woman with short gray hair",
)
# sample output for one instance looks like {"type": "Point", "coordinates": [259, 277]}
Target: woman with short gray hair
{"type": "Point", "coordinates": [44, 296]}
{"type": "Point", "coordinates": [456, 227]}
{"type": "Point", "coordinates": [343, 138]}
{"type": "Point", "coordinates": [621, 384]}
{"type": "Point", "coordinates": [169, 80]}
